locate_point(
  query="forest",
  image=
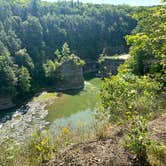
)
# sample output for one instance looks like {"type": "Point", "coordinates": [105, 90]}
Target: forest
{"type": "Point", "coordinates": [33, 32]}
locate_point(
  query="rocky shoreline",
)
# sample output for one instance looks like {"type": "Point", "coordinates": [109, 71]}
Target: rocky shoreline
{"type": "Point", "coordinates": [26, 120]}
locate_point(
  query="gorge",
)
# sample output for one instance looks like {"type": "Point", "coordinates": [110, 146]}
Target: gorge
{"type": "Point", "coordinates": [82, 84]}
{"type": "Point", "coordinates": [73, 105]}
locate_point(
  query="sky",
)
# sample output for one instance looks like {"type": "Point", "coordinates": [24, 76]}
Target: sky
{"type": "Point", "coordinates": [116, 2]}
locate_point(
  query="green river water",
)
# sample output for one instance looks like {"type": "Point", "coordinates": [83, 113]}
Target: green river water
{"type": "Point", "coordinates": [75, 107]}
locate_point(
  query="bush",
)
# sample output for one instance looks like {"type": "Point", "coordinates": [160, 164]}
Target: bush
{"type": "Point", "coordinates": [137, 138]}
{"type": "Point", "coordinates": [39, 148]}
{"type": "Point", "coordinates": [7, 152]}
{"type": "Point", "coordinates": [128, 93]}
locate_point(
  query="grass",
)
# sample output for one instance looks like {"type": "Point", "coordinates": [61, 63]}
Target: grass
{"type": "Point", "coordinates": [45, 96]}
{"type": "Point", "coordinates": [156, 155]}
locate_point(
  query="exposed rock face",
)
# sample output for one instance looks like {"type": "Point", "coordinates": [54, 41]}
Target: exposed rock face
{"type": "Point", "coordinates": [6, 103]}
{"type": "Point", "coordinates": [91, 67]}
{"type": "Point", "coordinates": [70, 76]}
{"type": "Point", "coordinates": [120, 49]}
{"type": "Point", "coordinates": [111, 64]}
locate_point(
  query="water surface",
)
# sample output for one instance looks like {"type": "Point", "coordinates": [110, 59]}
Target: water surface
{"type": "Point", "coordinates": [75, 107]}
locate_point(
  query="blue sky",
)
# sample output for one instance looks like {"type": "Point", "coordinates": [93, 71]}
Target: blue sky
{"type": "Point", "coordinates": [116, 2]}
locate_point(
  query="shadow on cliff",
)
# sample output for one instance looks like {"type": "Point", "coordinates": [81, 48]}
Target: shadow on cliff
{"type": "Point", "coordinates": [72, 92]}
{"type": "Point", "coordinates": [90, 76]}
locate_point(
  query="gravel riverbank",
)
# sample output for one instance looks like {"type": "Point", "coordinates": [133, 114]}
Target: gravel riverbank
{"type": "Point", "coordinates": [24, 122]}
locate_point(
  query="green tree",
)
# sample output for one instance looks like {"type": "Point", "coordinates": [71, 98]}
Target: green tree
{"type": "Point", "coordinates": [66, 55]}
{"type": "Point", "coordinates": [148, 51]}
{"type": "Point", "coordinates": [21, 1]}
{"type": "Point", "coordinates": [58, 55]}
{"type": "Point", "coordinates": [50, 71]}
{"type": "Point", "coordinates": [24, 80]}
{"type": "Point", "coordinates": [34, 5]}
{"type": "Point", "coordinates": [7, 76]}
{"type": "Point", "coordinates": [41, 27]}
{"type": "Point", "coordinates": [23, 59]}
{"type": "Point", "coordinates": [128, 93]}
{"type": "Point", "coordinates": [65, 50]}
{"type": "Point", "coordinates": [32, 37]}
{"type": "Point", "coordinates": [3, 49]}
{"type": "Point", "coordinates": [137, 138]}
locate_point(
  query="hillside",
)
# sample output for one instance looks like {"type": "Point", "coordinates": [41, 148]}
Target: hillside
{"type": "Point", "coordinates": [110, 150]}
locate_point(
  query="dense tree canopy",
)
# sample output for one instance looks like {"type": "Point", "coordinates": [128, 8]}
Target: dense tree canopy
{"type": "Point", "coordinates": [31, 31]}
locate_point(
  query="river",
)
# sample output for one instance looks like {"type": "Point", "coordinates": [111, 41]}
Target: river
{"type": "Point", "coordinates": [75, 107]}
{"type": "Point", "coordinates": [71, 108]}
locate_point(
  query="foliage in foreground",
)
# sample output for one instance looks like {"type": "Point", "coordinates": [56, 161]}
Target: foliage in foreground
{"type": "Point", "coordinates": [137, 138]}
{"type": "Point", "coordinates": [37, 150]}
{"type": "Point", "coordinates": [42, 146]}
{"type": "Point", "coordinates": [140, 80]}
{"type": "Point", "coordinates": [148, 45]}
{"type": "Point", "coordinates": [128, 93]}
{"type": "Point", "coordinates": [130, 101]}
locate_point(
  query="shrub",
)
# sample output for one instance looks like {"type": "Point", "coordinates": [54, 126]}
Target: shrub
{"type": "Point", "coordinates": [137, 139]}
{"type": "Point", "coordinates": [128, 93]}
{"type": "Point", "coordinates": [39, 148]}
{"type": "Point", "coordinates": [7, 152]}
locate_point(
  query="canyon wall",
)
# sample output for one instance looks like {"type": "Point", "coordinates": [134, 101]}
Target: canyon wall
{"type": "Point", "coordinates": [6, 103]}
{"type": "Point", "coordinates": [70, 76]}
{"type": "Point", "coordinates": [110, 65]}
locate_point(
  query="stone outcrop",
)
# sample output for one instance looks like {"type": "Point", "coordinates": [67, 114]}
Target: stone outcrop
{"type": "Point", "coordinates": [70, 76]}
{"type": "Point", "coordinates": [90, 67]}
{"type": "Point", "coordinates": [120, 49]}
{"type": "Point", "coordinates": [6, 103]}
{"type": "Point", "coordinates": [111, 64]}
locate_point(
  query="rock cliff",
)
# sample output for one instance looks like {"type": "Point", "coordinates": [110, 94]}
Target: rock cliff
{"type": "Point", "coordinates": [70, 76]}
{"type": "Point", "coordinates": [111, 64]}
{"type": "Point", "coordinates": [6, 103]}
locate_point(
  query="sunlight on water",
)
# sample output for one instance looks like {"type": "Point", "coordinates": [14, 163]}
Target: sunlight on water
{"type": "Point", "coordinates": [81, 120]}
